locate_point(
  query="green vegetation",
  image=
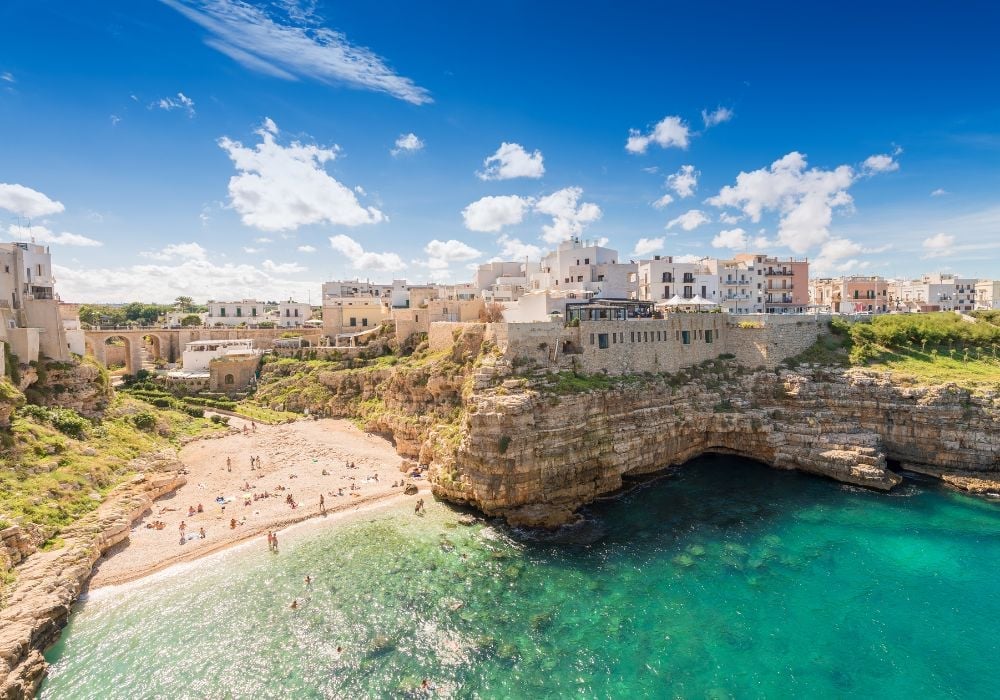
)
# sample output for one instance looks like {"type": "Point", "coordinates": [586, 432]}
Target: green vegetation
{"type": "Point", "coordinates": [992, 316]}
{"type": "Point", "coordinates": [930, 348]}
{"type": "Point", "coordinates": [56, 465]}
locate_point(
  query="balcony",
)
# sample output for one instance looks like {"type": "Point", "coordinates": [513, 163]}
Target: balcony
{"type": "Point", "coordinates": [786, 288]}
{"type": "Point", "coordinates": [772, 272]}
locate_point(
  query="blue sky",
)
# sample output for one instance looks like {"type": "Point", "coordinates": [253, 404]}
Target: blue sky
{"type": "Point", "coordinates": [218, 149]}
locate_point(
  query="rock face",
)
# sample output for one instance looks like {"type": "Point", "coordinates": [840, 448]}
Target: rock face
{"type": "Point", "coordinates": [534, 456]}
{"type": "Point", "coordinates": [80, 386]}
{"type": "Point", "coordinates": [48, 582]}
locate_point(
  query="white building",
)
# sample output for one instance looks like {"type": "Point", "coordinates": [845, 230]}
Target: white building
{"type": "Point", "coordinates": [29, 310]}
{"type": "Point", "coordinates": [937, 291]}
{"type": "Point", "coordinates": [233, 313]}
{"type": "Point", "coordinates": [543, 304]}
{"type": "Point", "coordinates": [292, 314]}
{"type": "Point", "coordinates": [987, 294]}
{"type": "Point", "coordinates": [741, 287]}
{"type": "Point", "coordinates": [661, 278]}
{"type": "Point", "coordinates": [198, 354]}
{"type": "Point", "coordinates": [579, 265]}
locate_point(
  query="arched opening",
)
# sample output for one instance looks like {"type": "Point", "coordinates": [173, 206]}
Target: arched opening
{"type": "Point", "coordinates": [117, 351]}
{"type": "Point", "coordinates": [152, 354]}
{"type": "Point", "coordinates": [229, 380]}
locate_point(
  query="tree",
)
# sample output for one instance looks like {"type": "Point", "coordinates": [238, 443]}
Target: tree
{"type": "Point", "coordinates": [191, 320]}
{"type": "Point", "coordinates": [184, 304]}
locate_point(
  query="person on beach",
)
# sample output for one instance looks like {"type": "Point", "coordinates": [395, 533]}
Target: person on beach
{"type": "Point", "coordinates": [229, 464]}
{"type": "Point", "coordinates": [201, 532]}
{"type": "Point", "coordinates": [253, 426]}
{"type": "Point", "coordinates": [270, 541]}
{"type": "Point", "coordinates": [232, 523]}
{"type": "Point", "coordinates": [294, 605]}
{"type": "Point", "coordinates": [322, 505]}
{"type": "Point", "coordinates": [419, 508]}
{"type": "Point", "coordinates": [274, 541]}
{"type": "Point", "coordinates": [308, 580]}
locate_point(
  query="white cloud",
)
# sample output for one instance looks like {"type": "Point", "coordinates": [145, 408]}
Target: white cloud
{"type": "Point", "coordinates": [291, 48]}
{"type": "Point", "coordinates": [7, 77]}
{"type": "Point", "coordinates": [262, 239]}
{"type": "Point", "coordinates": [510, 161]}
{"type": "Point", "coordinates": [406, 143]}
{"type": "Point", "coordinates": [364, 260]}
{"type": "Point", "coordinates": [684, 181]}
{"type": "Point", "coordinates": [839, 248]}
{"type": "Point", "coordinates": [186, 251]}
{"type": "Point", "coordinates": [514, 249]}
{"type": "Point", "coordinates": [493, 213]}
{"type": "Point", "coordinates": [162, 282]}
{"type": "Point", "coordinates": [939, 245]}
{"type": "Point", "coordinates": [689, 220]}
{"type": "Point", "coordinates": [25, 201]}
{"type": "Point", "coordinates": [939, 192]}
{"type": "Point", "coordinates": [451, 250]}
{"type": "Point", "coordinates": [730, 219]}
{"type": "Point", "coordinates": [688, 258]}
{"type": "Point", "coordinates": [669, 132]}
{"type": "Point", "coordinates": [804, 199]}
{"type": "Point", "coordinates": [663, 201]}
{"type": "Point", "coordinates": [251, 250]}
{"type": "Point", "coordinates": [306, 249]}
{"type": "Point", "coordinates": [282, 268]}
{"type": "Point", "coordinates": [169, 104]}
{"type": "Point", "coordinates": [41, 234]}
{"type": "Point", "coordinates": [736, 239]}
{"type": "Point", "coordinates": [717, 116]}
{"type": "Point", "coordinates": [280, 188]}
{"type": "Point", "coordinates": [115, 120]}
{"type": "Point", "coordinates": [880, 163]}
{"type": "Point", "coordinates": [569, 215]}
{"type": "Point", "coordinates": [645, 246]}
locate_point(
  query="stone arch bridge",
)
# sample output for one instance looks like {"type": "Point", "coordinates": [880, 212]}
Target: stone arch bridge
{"type": "Point", "coordinates": [168, 343]}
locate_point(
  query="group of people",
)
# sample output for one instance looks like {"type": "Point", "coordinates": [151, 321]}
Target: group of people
{"type": "Point", "coordinates": [185, 537]}
{"type": "Point", "coordinates": [192, 510]}
{"type": "Point", "coordinates": [272, 541]}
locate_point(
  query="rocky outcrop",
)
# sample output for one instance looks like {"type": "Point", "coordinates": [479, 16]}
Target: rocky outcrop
{"type": "Point", "coordinates": [79, 385]}
{"type": "Point", "coordinates": [49, 582]}
{"type": "Point", "coordinates": [534, 455]}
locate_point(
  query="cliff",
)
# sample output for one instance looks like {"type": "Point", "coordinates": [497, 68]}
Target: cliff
{"type": "Point", "coordinates": [534, 452]}
{"type": "Point", "coordinates": [48, 582]}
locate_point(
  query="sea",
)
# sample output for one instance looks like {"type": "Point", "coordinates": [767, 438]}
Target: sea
{"type": "Point", "coordinates": [723, 578]}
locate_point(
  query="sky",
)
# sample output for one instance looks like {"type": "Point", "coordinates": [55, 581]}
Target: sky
{"type": "Point", "coordinates": [223, 149]}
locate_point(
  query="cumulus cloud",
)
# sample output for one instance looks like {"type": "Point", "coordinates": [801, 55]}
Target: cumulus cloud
{"type": "Point", "coordinates": [280, 188]}
{"type": "Point", "coordinates": [663, 201]}
{"type": "Point", "coordinates": [187, 251]}
{"type": "Point", "coordinates": [728, 218]}
{"type": "Point", "coordinates": [282, 268]}
{"type": "Point", "coordinates": [169, 104]}
{"type": "Point", "coordinates": [939, 192]}
{"type": "Point", "coordinates": [689, 220]}
{"type": "Point", "coordinates": [684, 181]}
{"type": "Point", "coordinates": [669, 132]}
{"type": "Point", "coordinates": [569, 215]}
{"type": "Point", "coordinates": [880, 163]}
{"type": "Point", "coordinates": [511, 161]}
{"type": "Point", "coordinates": [717, 116]}
{"type": "Point", "coordinates": [293, 46]}
{"type": "Point", "coordinates": [804, 198]}
{"type": "Point", "coordinates": [407, 143]}
{"type": "Point", "coordinates": [491, 214]}
{"type": "Point", "coordinates": [645, 246]}
{"type": "Point", "coordinates": [736, 239]}
{"type": "Point", "coordinates": [162, 282]}
{"type": "Point", "coordinates": [939, 245]}
{"type": "Point", "coordinates": [41, 234]}
{"type": "Point", "coordinates": [360, 259]}
{"type": "Point", "coordinates": [306, 249]}
{"type": "Point", "coordinates": [451, 250]}
{"type": "Point", "coordinates": [25, 201]}
{"type": "Point", "coordinates": [514, 249]}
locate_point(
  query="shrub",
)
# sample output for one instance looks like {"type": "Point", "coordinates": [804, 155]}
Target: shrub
{"type": "Point", "coordinates": [503, 443]}
{"type": "Point", "coordinates": [144, 420]}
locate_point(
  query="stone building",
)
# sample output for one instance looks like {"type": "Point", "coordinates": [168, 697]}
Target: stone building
{"type": "Point", "coordinates": [30, 322]}
{"type": "Point", "coordinates": [234, 313]}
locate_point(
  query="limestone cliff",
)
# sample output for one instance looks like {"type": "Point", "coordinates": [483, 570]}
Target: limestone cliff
{"type": "Point", "coordinates": [534, 454]}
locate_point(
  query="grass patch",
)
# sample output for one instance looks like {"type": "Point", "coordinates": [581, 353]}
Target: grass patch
{"type": "Point", "coordinates": [937, 368]}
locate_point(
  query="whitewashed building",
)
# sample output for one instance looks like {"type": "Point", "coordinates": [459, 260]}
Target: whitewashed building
{"type": "Point", "coordinates": [233, 313]}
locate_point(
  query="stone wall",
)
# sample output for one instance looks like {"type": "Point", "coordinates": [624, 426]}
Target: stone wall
{"type": "Point", "coordinates": [766, 340]}
{"type": "Point", "coordinates": [231, 374]}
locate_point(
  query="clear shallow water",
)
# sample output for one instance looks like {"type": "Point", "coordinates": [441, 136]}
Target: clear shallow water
{"type": "Point", "coordinates": [726, 579]}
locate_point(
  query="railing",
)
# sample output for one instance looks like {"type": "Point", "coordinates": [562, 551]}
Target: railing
{"type": "Point", "coordinates": [778, 273]}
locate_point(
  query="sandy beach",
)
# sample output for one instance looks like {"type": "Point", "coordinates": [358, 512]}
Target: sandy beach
{"type": "Point", "coordinates": [298, 462]}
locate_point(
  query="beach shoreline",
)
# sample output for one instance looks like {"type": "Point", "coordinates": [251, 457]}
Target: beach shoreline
{"type": "Point", "coordinates": [310, 458]}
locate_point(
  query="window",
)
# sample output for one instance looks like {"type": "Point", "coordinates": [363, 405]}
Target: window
{"type": "Point", "coordinates": [645, 336]}
{"type": "Point", "coordinates": [39, 268]}
{"type": "Point", "coordinates": [686, 337]}
{"type": "Point", "coordinates": [708, 336]}
{"type": "Point", "coordinates": [579, 278]}
{"type": "Point", "coordinates": [222, 311]}
{"type": "Point", "coordinates": [666, 292]}
{"type": "Point", "coordinates": [632, 337]}
{"type": "Point", "coordinates": [667, 277]}
{"type": "Point", "coordinates": [364, 322]}
{"type": "Point", "coordinates": [591, 338]}
{"type": "Point", "coordinates": [657, 336]}
{"type": "Point", "coordinates": [586, 261]}
{"type": "Point", "coordinates": [602, 341]}
{"type": "Point", "coordinates": [353, 322]}
{"type": "Point", "coordinates": [614, 337]}
{"type": "Point", "coordinates": [230, 379]}
{"type": "Point", "coordinates": [600, 278]}
{"type": "Point", "coordinates": [239, 310]}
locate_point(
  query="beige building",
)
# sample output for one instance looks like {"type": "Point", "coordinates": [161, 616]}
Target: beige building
{"type": "Point", "coordinates": [353, 314]}
{"type": "Point", "coordinates": [419, 320]}
{"type": "Point", "coordinates": [233, 313]}
{"type": "Point", "coordinates": [987, 295]}
{"type": "Point", "coordinates": [30, 321]}
{"type": "Point", "coordinates": [853, 294]}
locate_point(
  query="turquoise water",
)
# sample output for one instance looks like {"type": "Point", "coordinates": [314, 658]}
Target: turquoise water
{"type": "Point", "coordinates": [725, 579]}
